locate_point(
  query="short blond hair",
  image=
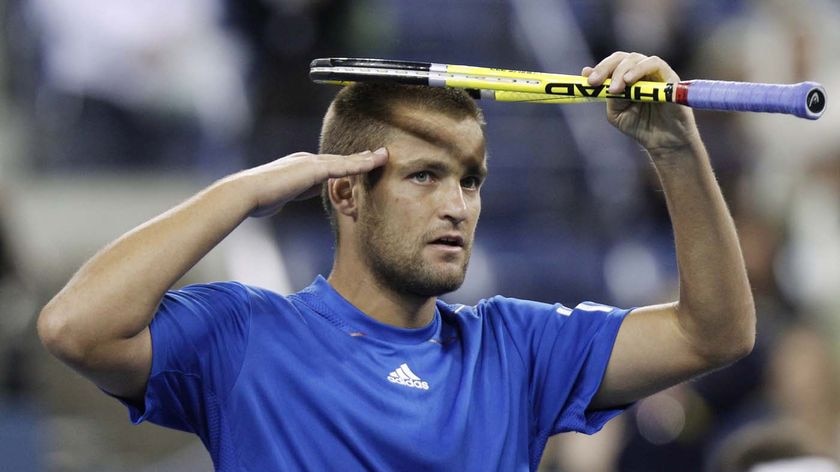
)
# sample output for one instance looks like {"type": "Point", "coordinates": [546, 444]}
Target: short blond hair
{"type": "Point", "coordinates": [361, 116]}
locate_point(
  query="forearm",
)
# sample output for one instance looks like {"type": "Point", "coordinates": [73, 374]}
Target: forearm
{"type": "Point", "coordinates": [713, 322]}
{"type": "Point", "coordinates": [115, 294]}
{"type": "Point", "coordinates": [715, 302]}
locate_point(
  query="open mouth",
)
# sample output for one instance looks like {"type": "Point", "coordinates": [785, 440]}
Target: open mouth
{"type": "Point", "coordinates": [450, 241]}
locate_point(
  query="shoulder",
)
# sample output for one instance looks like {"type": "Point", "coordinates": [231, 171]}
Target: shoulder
{"type": "Point", "coordinates": [506, 306]}
{"type": "Point", "coordinates": [490, 305]}
{"type": "Point", "coordinates": [500, 306]}
{"type": "Point", "coordinates": [516, 311]}
{"type": "Point", "coordinates": [495, 306]}
{"type": "Point", "coordinates": [216, 313]}
{"type": "Point", "coordinates": [219, 300]}
{"type": "Point", "coordinates": [500, 311]}
{"type": "Point", "coordinates": [218, 291]}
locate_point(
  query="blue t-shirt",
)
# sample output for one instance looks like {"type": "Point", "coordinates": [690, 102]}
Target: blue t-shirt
{"type": "Point", "coordinates": [309, 382]}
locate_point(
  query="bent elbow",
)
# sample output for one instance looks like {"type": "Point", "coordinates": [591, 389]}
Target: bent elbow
{"type": "Point", "coordinates": [721, 334]}
{"type": "Point", "coordinates": [746, 341]}
{"type": "Point", "coordinates": [742, 348]}
{"type": "Point", "coordinates": [738, 342]}
{"type": "Point", "coordinates": [56, 334]}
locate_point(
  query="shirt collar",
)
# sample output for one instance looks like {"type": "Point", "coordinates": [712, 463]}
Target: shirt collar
{"type": "Point", "coordinates": [358, 323]}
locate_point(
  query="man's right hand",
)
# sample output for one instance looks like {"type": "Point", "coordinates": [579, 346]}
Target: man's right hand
{"type": "Point", "coordinates": [99, 322]}
{"type": "Point", "coordinates": [300, 175]}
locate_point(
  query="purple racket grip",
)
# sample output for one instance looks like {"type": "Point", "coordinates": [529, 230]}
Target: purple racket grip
{"type": "Point", "coordinates": [805, 99]}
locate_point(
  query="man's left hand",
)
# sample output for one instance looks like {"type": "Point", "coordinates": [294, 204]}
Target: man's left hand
{"type": "Point", "coordinates": [656, 126]}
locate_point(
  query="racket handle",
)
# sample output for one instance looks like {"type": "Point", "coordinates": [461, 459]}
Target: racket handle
{"type": "Point", "coordinates": [805, 99]}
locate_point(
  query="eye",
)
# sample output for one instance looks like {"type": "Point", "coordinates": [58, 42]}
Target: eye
{"type": "Point", "coordinates": [471, 183]}
{"type": "Point", "coordinates": [422, 177]}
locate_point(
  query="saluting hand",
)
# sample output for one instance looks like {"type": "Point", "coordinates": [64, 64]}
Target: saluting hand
{"type": "Point", "coordinates": [300, 175]}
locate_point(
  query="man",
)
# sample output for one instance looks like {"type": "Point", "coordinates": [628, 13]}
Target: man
{"type": "Point", "coordinates": [367, 370]}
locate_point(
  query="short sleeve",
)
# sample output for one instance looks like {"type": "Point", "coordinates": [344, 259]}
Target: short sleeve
{"type": "Point", "coordinates": [566, 351]}
{"type": "Point", "coordinates": [199, 337]}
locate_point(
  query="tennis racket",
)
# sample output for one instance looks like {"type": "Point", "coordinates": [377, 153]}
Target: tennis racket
{"type": "Point", "coordinates": [805, 99]}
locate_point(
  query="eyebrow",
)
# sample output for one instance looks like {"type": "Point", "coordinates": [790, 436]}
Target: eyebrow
{"type": "Point", "coordinates": [408, 123]}
{"type": "Point", "coordinates": [440, 165]}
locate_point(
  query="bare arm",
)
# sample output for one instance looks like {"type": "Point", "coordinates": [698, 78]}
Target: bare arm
{"type": "Point", "coordinates": [713, 322]}
{"type": "Point", "coordinates": [98, 323]}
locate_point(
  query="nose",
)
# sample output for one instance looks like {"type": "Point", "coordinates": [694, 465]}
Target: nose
{"type": "Point", "coordinates": [453, 206]}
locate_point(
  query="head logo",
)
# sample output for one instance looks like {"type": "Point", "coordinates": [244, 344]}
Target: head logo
{"type": "Point", "coordinates": [816, 101]}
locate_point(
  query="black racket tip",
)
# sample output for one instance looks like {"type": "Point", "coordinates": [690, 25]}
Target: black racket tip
{"type": "Point", "coordinates": [815, 101]}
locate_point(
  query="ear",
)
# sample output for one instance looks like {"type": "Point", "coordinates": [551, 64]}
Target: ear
{"type": "Point", "coordinates": [342, 196]}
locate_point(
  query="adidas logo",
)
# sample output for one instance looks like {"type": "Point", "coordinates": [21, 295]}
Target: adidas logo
{"type": "Point", "coordinates": [404, 376]}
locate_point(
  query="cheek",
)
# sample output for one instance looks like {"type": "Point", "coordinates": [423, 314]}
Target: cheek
{"type": "Point", "coordinates": [476, 211]}
{"type": "Point", "coordinates": [408, 208]}
{"type": "Point", "coordinates": [401, 216]}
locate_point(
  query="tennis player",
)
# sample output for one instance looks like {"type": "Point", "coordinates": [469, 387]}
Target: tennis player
{"type": "Point", "coordinates": [366, 369]}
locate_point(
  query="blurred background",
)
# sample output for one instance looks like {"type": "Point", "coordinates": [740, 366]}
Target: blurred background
{"type": "Point", "coordinates": [111, 112]}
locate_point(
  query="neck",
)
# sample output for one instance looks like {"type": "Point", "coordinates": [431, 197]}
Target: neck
{"type": "Point", "coordinates": [379, 301]}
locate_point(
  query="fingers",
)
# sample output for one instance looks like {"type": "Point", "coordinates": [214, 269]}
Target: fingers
{"type": "Point", "coordinates": [368, 160]}
{"type": "Point", "coordinates": [624, 68]}
{"type": "Point", "coordinates": [300, 175]}
{"type": "Point", "coordinates": [359, 163]}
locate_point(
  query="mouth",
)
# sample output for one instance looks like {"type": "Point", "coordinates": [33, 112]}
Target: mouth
{"type": "Point", "coordinates": [451, 241]}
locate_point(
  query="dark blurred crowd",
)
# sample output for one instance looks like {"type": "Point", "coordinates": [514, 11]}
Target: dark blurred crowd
{"type": "Point", "coordinates": [94, 94]}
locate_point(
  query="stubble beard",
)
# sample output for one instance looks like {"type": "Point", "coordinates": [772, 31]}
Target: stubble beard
{"type": "Point", "coordinates": [397, 262]}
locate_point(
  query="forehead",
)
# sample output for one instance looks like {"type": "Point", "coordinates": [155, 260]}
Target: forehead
{"type": "Point", "coordinates": [461, 137]}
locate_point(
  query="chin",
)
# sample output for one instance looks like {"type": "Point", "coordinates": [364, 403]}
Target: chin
{"type": "Point", "coordinates": [436, 285]}
{"type": "Point", "coordinates": [428, 291]}
{"type": "Point", "coordinates": [418, 276]}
